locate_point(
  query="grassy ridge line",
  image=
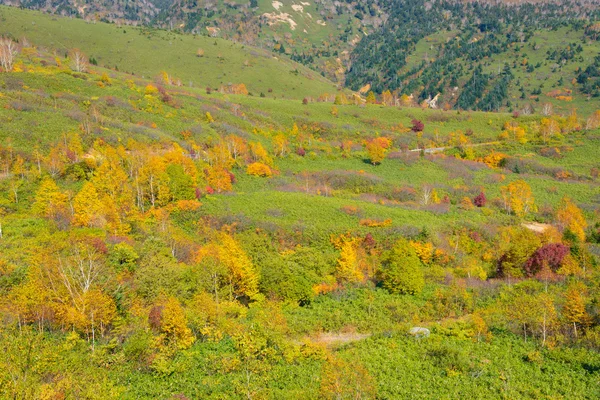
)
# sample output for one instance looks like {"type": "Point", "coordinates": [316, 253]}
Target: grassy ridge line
{"type": "Point", "coordinates": [147, 52]}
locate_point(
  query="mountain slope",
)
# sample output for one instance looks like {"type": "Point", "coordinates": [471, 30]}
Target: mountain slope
{"type": "Point", "coordinates": [319, 33]}
{"type": "Point", "coordinates": [508, 56]}
{"type": "Point", "coordinates": [146, 52]}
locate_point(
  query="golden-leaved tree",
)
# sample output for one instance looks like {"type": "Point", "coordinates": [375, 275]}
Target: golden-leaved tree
{"type": "Point", "coordinates": [377, 149]}
{"type": "Point", "coordinates": [570, 217]}
{"type": "Point", "coordinates": [49, 200]}
{"type": "Point", "coordinates": [229, 267]}
{"type": "Point", "coordinates": [114, 191]}
{"type": "Point", "coordinates": [70, 276]}
{"type": "Point", "coordinates": [260, 154]}
{"type": "Point", "coordinates": [348, 269]}
{"type": "Point", "coordinates": [173, 325]}
{"type": "Point", "coordinates": [518, 198]}
{"type": "Point", "coordinates": [574, 309]}
{"type": "Point", "coordinates": [243, 275]}
{"type": "Point", "coordinates": [218, 178]}
{"type": "Point", "coordinates": [87, 207]}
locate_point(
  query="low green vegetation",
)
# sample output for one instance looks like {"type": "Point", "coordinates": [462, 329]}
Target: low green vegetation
{"type": "Point", "coordinates": [193, 60]}
{"type": "Point", "coordinates": [172, 242]}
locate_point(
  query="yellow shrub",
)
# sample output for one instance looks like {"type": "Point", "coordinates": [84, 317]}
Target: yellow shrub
{"type": "Point", "coordinates": [151, 90]}
{"type": "Point", "coordinates": [375, 224]}
{"type": "Point", "coordinates": [424, 251]}
{"type": "Point", "coordinates": [259, 169]}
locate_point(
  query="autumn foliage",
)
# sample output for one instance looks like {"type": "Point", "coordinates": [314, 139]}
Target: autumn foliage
{"type": "Point", "coordinates": [377, 149]}
{"type": "Point", "coordinates": [259, 169]}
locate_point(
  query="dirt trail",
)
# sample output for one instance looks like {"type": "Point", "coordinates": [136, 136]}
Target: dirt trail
{"type": "Point", "coordinates": [536, 226]}
{"type": "Point", "coordinates": [433, 150]}
{"type": "Point", "coordinates": [333, 339]}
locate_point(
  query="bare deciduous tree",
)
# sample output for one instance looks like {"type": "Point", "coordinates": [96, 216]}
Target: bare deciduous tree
{"type": "Point", "coordinates": [547, 109]}
{"type": "Point", "coordinates": [527, 109]}
{"type": "Point", "coordinates": [79, 61]}
{"type": "Point", "coordinates": [426, 195]}
{"type": "Point", "coordinates": [8, 52]}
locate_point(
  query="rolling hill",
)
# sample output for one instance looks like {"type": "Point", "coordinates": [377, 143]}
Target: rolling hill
{"type": "Point", "coordinates": [146, 52]}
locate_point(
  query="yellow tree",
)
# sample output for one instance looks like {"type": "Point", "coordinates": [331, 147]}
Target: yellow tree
{"type": "Point", "coordinates": [371, 99]}
{"type": "Point", "coordinates": [548, 128]}
{"type": "Point", "coordinates": [377, 149]}
{"type": "Point", "coordinates": [220, 156]}
{"type": "Point", "coordinates": [243, 275]}
{"type": "Point", "coordinates": [546, 316]}
{"type": "Point", "coordinates": [56, 160]}
{"type": "Point", "coordinates": [173, 325]}
{"type": "Point", "coordinates": [387, 98]}
{"type": "Point", "coordinates": [49, 200]}
{"type": "Point", "coordinates": [112, 184]}
{"type": "Point", "coordinates": [115, 195]}
{"type": "Point", "coordinates": [530, 312]}
{"type": "Point", "coordinates": [152, 182]}
{"type": "Point", "coordinates": [280, 144]}
{"type": "Point", "coordinates": [73, 273]}
{"type": "Point", "coordinates": [87, 207]}
{"type": "Point", "coordinates": [18, 167]}
{"type": "Point", "coordinates": [574, 308]}
{"type": "Point", "coordinates": [593, 121]}
{"type": "Point", "coordinates": [570, 217]}
{"type": "Point", "coordinates": [572, 122]}
{"type": "Point", "coordinates": [237, 147]}
{"type": "Point", "coordinates": [518, 198]}
{"type": "Point", "coordinates": [513, 131]}
{"type": "Point", "coordinates": [259, 153]}
{"type": "Point", "coordinates": [98, 312]}
{"type": "Point", "coordinates": [513, 246]}
{"type": "Point", "coordinates": [348, 269]}
{"type": "Point", "coordinates": [177, 155]}
{"type": "Point", "coordinates": [294, 131]}
{"type": "Point", "coordinates": [75, 146]}
{"type": "Point", "coordinates": [259, 169]}
{"type": "Point", "coordinates": [406, 100]}
{"type": "Point", "coordinates": [218, 178]}
{"type": "Point", "coordinates": [340, 99]}
{"type": "Point", "coordinates": [30, 302]}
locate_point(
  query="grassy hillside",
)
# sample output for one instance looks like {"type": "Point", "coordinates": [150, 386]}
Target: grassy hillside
{"type": "Point", "coordinates": [160, 241]}
{"type": "Point", "coordinates": [318, 33]}
{"type": "Point", "coordinates": [147, 52]}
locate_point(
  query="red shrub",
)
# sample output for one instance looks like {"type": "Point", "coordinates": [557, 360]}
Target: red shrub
{"type": "Point", "coordinates": [480, 200]}
{"type": "Point", "coordinates": [417, 126]}
{"type": "Point", "coordinates": [551, 254]}
{"type": "Point", "coordinates": [369, 241]}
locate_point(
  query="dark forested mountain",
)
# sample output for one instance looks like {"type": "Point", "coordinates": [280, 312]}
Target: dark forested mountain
{"type": "Point", "coordinates": [475, 35]}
